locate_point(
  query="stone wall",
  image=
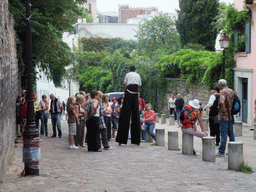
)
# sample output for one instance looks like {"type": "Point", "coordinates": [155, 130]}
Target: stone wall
{"type": "Point", "coordinates": [195, 91]}
{"type": "Point", "coordinates": [8, 85]}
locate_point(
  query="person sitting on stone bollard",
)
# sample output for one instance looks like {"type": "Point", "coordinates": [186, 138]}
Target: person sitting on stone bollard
{"type": "Point", "coordinates": [149, 121]}
{"type": "Point", "coordinates": [189, 115]}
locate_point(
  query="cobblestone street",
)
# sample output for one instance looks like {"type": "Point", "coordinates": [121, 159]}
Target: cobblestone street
{"type": "Point", "coordinates": [129, 168]}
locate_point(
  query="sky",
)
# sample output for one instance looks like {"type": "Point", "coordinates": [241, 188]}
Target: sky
{"type": "Point", "coordinates": [163, 5]}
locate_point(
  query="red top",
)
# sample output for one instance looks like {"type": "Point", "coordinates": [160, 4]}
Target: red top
{"type": "Point", "coordinates": [150, 114]}
{"type": "Point", "coordinates": [142, 103]}
{"type": "Point", "coordinates": [23, 110]}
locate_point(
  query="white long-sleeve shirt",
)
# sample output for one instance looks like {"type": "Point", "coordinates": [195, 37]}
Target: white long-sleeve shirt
{"type": "Point", "coordinates": [211, 101]}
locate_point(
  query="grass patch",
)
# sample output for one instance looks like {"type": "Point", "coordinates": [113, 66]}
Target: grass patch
{"type": "Point", "coordinates": [152, 144]}
{"type": "Point", "coordinates": [246, 168]}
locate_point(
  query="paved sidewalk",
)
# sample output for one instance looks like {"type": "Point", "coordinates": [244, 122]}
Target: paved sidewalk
{"type": "Point", "coordinates": [129, 168]}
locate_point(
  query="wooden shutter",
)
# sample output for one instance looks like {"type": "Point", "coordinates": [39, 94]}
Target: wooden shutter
{"type": "Point", "coordinates": [248, 36]}
{"type": "Point", "coordinates": [235, 36]}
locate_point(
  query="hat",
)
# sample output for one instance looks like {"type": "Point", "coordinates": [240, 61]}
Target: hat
{"type": "Point", "coordinates": [194, 103]}
{"type": "Point", "coordinates": [52, 95]}
{"type": "Point", "coordinates": [114, 98]}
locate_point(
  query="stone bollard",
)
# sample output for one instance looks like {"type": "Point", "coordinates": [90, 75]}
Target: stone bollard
{"type": "Point", "coordinates": [171, 120]}
{"type": "Point", "coordinates": [157, 117]}
{"type": "Point", "coordinates": [235, 155]}
{"type": "Point", "coordinates": [160, 137]}
{"type": "Point", "coordinates": [208, 152]}
{"type": "Point", "coordinates": [173, 140]}
{"type": "Point", "coordinates": [205, 123]}
{"type": "Point", "coordinates": [163, 119]}
{"type": "Point", "coordinates": [238, 128]}
{"type": "Point", "coordinates": [148, 137]}
{"type": "Point", "coordinates": [187, 144]}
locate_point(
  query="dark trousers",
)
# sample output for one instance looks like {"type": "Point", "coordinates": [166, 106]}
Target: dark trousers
{"type": "Point", "coordinates": [108, 125]}
{"type": "Point", "coordinates": [173, 112]}
{"type": "Point", "coordinates": [104, 138]}
{"type": "Point", "coordinates": [214, 129]}
{"type": "Point", "coordinates": [130, 109]}
{"type": "Point", "coordinates": [92, 133]}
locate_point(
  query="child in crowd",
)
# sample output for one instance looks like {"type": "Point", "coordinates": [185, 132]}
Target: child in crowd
{"type": "Point", "coordinates": [115, 117]}
{"type": "Point", "coordinates": [72, 122]}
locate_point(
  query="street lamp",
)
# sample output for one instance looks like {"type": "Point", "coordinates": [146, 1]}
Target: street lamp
{"type": "Point", "coordinates": [31, 149]}
{"type": "Point", "coordinates": [69, 76]}
{"type": "Point", "coordinates": [224, 43]}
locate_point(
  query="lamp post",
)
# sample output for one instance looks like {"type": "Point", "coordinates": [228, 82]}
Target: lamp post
{"type": "Point", "coordinates": [31, 149]}
{"type": "Point", "coordinates": [224, 43]}
{"type": "Point", "coordinates": [69, 76]}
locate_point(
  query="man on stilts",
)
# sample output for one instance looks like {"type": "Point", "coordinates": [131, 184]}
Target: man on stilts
{"type": "Point", "coordinates": [130, 109]}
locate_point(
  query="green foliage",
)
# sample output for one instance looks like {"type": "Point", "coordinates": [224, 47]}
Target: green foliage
{"type": "Point", "coordinates": [96, 44]}
{"type": "Point", "coordinates": [195, 66]}
{"type": "Point", "coordinates": [195, 22]}
{"type": "Point", "coordinates": [245, 168]}
{"type": "Point", "coordinates": [196, 47]}
{"type": "Point", "coordinates": [119, 66]}
{"type": "Point", "coordinates": [158, 35]}
{"type": "Point", "coordinates": [96, 78]}
{"type": "Point", "coordinates": [82, 12]}
{"type": "Point", "coordinates": [49, 21]}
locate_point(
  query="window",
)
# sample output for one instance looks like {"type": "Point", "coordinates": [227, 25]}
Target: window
{"type": "Point", "coordinates": [242, 38]}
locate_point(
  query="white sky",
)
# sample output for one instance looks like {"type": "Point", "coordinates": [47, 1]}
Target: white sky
{"type": "Point", "coordinates": [163, 5]}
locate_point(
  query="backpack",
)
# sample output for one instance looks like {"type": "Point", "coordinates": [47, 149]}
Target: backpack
{"type": "Point", "coordinates": [236, 105]}
{"type": "Point", "coordinates": [88, 109]}
{"type": "Point", "coordinates": [185, 115]}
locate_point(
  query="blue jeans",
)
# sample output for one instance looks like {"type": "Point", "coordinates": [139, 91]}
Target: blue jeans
{"type": "Point", "coordinates": [150, 126]}
{"type": "Point", "coordinates": [114, 123]}
{"type": "Point", "coordinates": [178, 111]}
{"type": "Point", "coordinates": [56, 120]}
{"type": "Point", "coordinates": [44, 123]}
{"type": "Point", "coordinates": [226, 129]}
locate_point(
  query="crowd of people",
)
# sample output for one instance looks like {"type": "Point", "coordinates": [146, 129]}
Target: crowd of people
{"type": "Point", "coordinates": [221, 118]}
{"type": "Point", "coordinates": [93, 122]}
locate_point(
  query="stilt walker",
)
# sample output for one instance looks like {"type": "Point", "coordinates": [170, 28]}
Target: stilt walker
{"type": "Point", "coordinates": [130, 110]}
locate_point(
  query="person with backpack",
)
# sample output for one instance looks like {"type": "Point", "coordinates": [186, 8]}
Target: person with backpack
{"type": "Point", "coordinates": [178, 106]}
{"type": "Point", "coordinates": [225, 116]}
{"type": "Point", "coordinates": [213, 114]}
{"type": "Point", "coordinates": [188, 117]}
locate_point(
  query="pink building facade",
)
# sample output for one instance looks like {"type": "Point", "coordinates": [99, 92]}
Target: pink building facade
{"type": "Point", "coordinates": [245, 70]}
{"type": "Point", "coordinates": [91, 5]}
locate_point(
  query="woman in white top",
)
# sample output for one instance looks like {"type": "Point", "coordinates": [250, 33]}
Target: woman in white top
{"type": "Point", "coordinates": [92, 124]}
{"type": "Point", "coordinates": [44, 107]}
{"type": "Point", "coordinates": [171, 105]}
{"type": "Point", "coordinates": [107, 116]}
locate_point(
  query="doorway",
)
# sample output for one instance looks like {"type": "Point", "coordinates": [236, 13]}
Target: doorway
{"type": "Point", "coordinates": [244, 100]}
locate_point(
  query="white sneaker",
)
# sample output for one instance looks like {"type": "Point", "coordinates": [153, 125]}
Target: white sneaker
{"type": "Point", "coordinates": [72, 147]}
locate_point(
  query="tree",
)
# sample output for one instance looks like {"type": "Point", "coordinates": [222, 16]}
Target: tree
{"type": "Point", "coordinates": [49, 21]}
{"type": "Point", "coordinates": [158, 35]}
{"type": "Point", "coordinates": [196, 20]}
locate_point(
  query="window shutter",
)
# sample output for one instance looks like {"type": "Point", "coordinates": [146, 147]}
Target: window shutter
{"type": "Point", "coordinates": [235, 36]}
{"type": "Point", "coordinates": [248, 36]}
